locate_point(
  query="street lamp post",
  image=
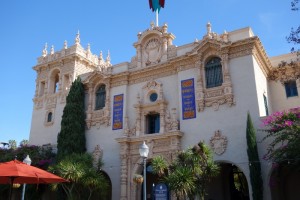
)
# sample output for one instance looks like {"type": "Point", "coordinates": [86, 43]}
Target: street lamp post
{"type": "Point", "coordinates": [144, 150]}
{"type": "Point", "coordinates": [27, 161]}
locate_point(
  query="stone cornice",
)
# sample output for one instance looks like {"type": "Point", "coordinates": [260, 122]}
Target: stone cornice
{"type": "Point", "coordinates": [146, 137]}
{"type": "Point", "coordinates": [251, 46]}
{"type": "Point", "coordinates": [57, 59]}
{"type": "Point", "coordinates": [285, 72]}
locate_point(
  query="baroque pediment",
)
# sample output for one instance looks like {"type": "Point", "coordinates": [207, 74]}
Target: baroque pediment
{"type": "Point", "coordinates": [95, 77]}
{"type": "Point", "coordinates": [209, 45]}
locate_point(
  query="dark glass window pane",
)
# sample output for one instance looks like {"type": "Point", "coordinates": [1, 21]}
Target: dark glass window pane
{"type": "Point", "coordinates": [153, 123]}
{"type": "Point", "coordinates": [153, 97]}
{"type": "Point", "coordinates": [49, 119]}
{"type": "Point", "coordinates": [100, 97]}
{"type": "Point", "coordinates": [291, 89]}
{"type": "Point", "coordinates": [213, 73]}
{"type": "Point", "coordinates": [266, 105]}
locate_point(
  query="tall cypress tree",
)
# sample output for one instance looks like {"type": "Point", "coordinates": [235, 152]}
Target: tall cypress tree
{"type": "Point", "coordinates": [254, 163]}
{"type": "Point", "coordinates": [71, 138]}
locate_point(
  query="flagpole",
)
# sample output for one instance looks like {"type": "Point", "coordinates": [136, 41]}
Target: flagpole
{"type": "Point", "coordinates": [156, 17]}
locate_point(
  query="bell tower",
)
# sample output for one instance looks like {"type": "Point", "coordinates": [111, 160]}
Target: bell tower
{"type": "Point", "coordinates": [55, 73]}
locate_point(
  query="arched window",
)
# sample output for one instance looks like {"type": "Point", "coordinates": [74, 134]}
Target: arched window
{"type": "Point", "coordinates": [49, 118]}
{"type": "Point", "coordinates": [213, 73]}
{"type": "Point", "coordinates": [54, 82]}
{"type": "Point", "coordinates": [100, 97]}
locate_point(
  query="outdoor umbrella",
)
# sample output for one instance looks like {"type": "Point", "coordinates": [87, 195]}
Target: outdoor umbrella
{"type": "Point", "coordinates": [18, 172]}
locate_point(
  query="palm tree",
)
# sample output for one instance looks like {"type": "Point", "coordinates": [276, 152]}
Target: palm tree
{"type": "Point", "coordinates": [189, 173]}
{"type": "Point", "coordinates": [79, 170]}
{"type": "Point", "coordinates": [94, 180]}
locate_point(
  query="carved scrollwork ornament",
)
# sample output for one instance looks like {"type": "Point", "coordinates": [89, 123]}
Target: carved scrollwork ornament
{"type": "Point", "coordinates": [218, 143]}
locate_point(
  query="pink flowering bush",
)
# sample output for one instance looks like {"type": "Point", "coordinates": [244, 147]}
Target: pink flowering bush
{"type": "Point", "coordinates": [284, 130]}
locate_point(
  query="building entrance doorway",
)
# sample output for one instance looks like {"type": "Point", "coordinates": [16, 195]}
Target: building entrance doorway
{"type": "Point", "coordinates": [230, 184]}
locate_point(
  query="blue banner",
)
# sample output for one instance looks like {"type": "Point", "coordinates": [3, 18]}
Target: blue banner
{"type": "Point", "coordinates": [118, 112]}
{"type": "Point", "coordinates": [188, 99]}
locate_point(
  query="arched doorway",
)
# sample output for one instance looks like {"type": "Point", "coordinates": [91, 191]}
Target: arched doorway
{"type": "Point", "coordinates": [284, 183]}
{"type": "Point", "coordinates": [107, 194]}
{"type": "Point", "coordinates": [230, 184]}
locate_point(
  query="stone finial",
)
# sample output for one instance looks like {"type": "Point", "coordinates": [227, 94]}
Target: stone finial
{"type": "Point", "coordinates": [88, 49]}
{"type": "Point", "coordinates": [77, 39]}
{"type": "Point", "coordinates": [208, 28]}
{"type": "Point", "coordinates": [108, 58]}
{"type": "Point", "coordinates": [100, 56]}
{"type": "Point", "coordinates": [196, 40]}
{"type": "Point", "coordinates": [225, 36]}
{"type": "Point", "coordinates": [52, 50]}
{"type": "Point", "coordinates": [152, 25]}
{"type": "Point", "coordinates": [65, 44]}
{"type": "Point", "coordinates": [139, 35]}
{"type": "Point", "coordinates": [165, 28]}
{"type": "Point", "coordinates": [45, 52]}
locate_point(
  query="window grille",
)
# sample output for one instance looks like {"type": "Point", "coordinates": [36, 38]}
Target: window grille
{"type": "Point", "coordinates": [213, 73]}
{"type": "Point", "coordinates": [100, 97]}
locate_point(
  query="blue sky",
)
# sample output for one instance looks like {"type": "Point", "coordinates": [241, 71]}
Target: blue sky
{"type": "Point", "coordinates": [25, 27]}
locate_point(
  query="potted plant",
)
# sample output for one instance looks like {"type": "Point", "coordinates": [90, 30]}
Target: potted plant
{"type": "Point", "coordinates": [137, 178]}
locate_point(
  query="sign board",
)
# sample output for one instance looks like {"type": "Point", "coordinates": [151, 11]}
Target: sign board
{"type": "Point", "coordinates": [188, 99]}
{"type": "Point", "coordinates": [161, 192]}
{"type": "Point", "coordinates": [118, 112]}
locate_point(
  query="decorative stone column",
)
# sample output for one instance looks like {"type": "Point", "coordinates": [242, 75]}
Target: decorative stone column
{"type": "Point", "coordinates": [162, 118]}
{"type": "Point", "coordinates": [37, 88]}
{"type": "Point", "coordinates": [59, 82]}
{"type": "Point", "coordinates": [224, 63]}
{"type": "Point", "coordinates": [89, 110]}
{"type": "Point", "coordinates": [200, 88]}
{"type": "Point", "coordinates": [138, 120]}
{"type": "Point", "coordinates": [139, 55]}
{"type": "Point", "coordinates": [124, 161]}
{"type": "Point", "coordinates": [46, 87]}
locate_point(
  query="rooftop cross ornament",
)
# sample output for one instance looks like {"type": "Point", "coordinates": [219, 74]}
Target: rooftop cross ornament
{"type": "Point", "coordinates": [155, 6]}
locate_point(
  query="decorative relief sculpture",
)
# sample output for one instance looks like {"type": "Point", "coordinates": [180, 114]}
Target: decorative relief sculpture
{"type": "Point", "coordinates": [285, 72]}
{"type": "Point", "coordinates": [218, 143]}
{"type": "Point", "coordinates": [152, 51]}
{"type": "Point", "coordinates": [172, 124]}
{"type": "Point", "coordinates": [97, 155]}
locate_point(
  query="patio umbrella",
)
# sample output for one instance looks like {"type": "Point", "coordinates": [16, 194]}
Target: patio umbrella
{"type": "Point", "coordinates": [18, 172]}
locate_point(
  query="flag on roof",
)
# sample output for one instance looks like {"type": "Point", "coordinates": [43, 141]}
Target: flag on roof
{"type": "Point", "coordinates": [155, 5]}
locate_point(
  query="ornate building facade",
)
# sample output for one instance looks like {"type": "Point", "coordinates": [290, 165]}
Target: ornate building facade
{"type": "Point", "coordinates": [170, 96]}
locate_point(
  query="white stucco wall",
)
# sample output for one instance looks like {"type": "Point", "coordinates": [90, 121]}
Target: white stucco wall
{"type": "Point", "coordinates": [279, 100]}
{"type": "Point", "coordinates": [41, 134]}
